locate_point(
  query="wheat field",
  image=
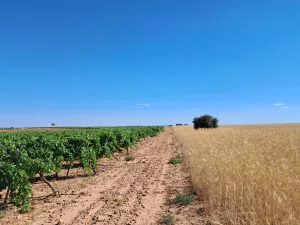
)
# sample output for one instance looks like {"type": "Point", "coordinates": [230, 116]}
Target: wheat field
{"type": "Point", "coordinates": [246, 174]}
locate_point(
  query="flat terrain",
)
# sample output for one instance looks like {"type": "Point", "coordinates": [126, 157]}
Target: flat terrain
{"type": "Point", "coordinates": [31, 129]}
{"type": "Point", "coordinates": [133, 192]}
{"type": "Point", "coordinates": [246, 174]}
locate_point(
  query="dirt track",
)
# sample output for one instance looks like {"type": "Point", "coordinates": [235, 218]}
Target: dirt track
{"type": "Point", "coordinates": [135, 192]}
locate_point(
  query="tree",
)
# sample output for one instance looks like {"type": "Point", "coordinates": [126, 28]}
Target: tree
{"type": "Point", "coordinates": [205, 121]}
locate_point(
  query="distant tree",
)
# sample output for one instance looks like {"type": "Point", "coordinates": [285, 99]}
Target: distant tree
{"type": "Point", "coordinates": [215, 122]}
{"type": "Point", "coordinates": [205, 121]}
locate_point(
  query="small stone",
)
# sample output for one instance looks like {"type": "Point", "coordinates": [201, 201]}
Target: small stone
{"type": "Point", "coordinates": [59, 223]}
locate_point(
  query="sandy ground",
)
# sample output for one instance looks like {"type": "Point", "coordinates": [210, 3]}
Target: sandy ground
{"type": "Point", "coordinates": [134, 192]}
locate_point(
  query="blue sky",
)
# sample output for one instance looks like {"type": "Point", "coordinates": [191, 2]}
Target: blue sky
{"type": "Point", "coordinates": [148, 62]}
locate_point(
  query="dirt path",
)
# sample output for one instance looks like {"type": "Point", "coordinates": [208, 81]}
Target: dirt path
{"type": "Point", "coordinates": [135, 192]}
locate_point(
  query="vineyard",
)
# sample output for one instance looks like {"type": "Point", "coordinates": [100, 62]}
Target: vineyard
{"type": "Point", "coordinates": [27, 155]}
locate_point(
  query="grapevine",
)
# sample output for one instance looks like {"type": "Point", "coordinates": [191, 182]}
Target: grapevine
{"type": "Point", "coordinates": [24, 155]}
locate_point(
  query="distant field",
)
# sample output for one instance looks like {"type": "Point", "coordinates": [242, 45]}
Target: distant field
{"type": "Point", "coordinates": [13, 129]}
{"type": "Point", "coordinates": [29, 129]}
{"type": "Point", "coordinates": [246, 174]}
{"type": "Point", "coordinates": [271, 125]}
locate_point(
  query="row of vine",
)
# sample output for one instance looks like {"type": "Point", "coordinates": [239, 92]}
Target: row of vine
{"type": "Point", "coordinates": [24, 155]}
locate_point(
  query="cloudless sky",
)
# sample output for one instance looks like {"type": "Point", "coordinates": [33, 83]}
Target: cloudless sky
{"type": "Point", "coordinates": [92, 63]}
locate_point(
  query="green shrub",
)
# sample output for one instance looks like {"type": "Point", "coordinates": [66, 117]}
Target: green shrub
{"type": "Point", "coordinates": [167, 219]}
{"type": "Point", "coordinates": [129, 158]}
{"type": "Point", "coordinates": [184, 199]}
{"type": "Point", "coordinates": [205, 121]}
{"type": "Point", "coordinates": [175, 160]}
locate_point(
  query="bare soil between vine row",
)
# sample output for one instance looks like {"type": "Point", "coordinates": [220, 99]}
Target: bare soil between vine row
{"type": "Point", "coordinates": [133, 192]}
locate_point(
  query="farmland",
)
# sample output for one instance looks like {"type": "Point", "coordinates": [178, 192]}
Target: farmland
{"type": "Point", "coordinates": [247, 174]}
{"type": "Point", "coordinates": [242, 174]}
{"type": "Point", "coordinates": [121, 192]}
{"type": "Point", "coordinates": [23, 155]}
